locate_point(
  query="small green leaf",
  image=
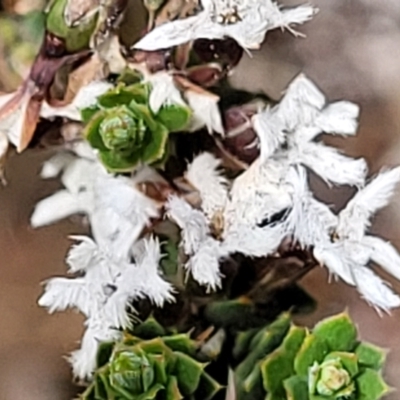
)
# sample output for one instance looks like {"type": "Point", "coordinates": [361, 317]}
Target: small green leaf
{"type": "Point", "coordinates": [339, 332]}
{"type": "Point", "coordinates": [370, 385]}
{"type": "Point", "coordinates": [279, 365]}
{"type": "Point", "coordinates": [174, 117]}
{"type": "Point", "coordinates": [104, 353]}
{"type": "Point", "coordinates": [117, 162]}
{"type": "Point", "coordinates": [296, 388]}
{"type": "Point", "coordinates": [149, 329]}
{"type": "Point", "coordinates": [313, 349]}
{"type": "Point", "coordinates": [154, 150]}
{"type": "Point", "coordinates": [91, 131]}
{"type": "Point", "coordinates": [124, 95]}
{"type": "Point", "coordinates": [182, 343]}
{"type": "Point", "coordinates": [188, 372]}
{"type": "Point", "coordinates": [370, 355]}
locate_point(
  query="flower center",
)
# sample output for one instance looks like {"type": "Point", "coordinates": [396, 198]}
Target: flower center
{"type": "Point", "coordinates": [227, 12]}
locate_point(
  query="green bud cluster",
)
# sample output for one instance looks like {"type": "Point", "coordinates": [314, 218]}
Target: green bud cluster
{"type": "Point", "coordinates": [287, 362]}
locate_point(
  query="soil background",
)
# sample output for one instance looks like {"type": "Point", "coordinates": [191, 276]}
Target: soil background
{"type": "Point", "coordinates": [352, 52]}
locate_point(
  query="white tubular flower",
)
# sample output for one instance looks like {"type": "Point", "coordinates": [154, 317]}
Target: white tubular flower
{"type": "Point", "coordinates": [117, 211]}
{"type": "Point", "coordinates": [105, 292]}
{"type": "Point", "coordinates": [203, 175]}
{"type": "Point", "coordinates": [246, 21]}
{"type": "Point", "coordinates": [300, 117]}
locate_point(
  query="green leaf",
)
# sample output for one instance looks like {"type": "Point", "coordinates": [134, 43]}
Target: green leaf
{"type": "Point", "coordinates": [182, 343]}
{"type": "Point", "coordinates": [338, 331]}
{"type": "Point", "coordinates": [149, 329]}
{"type": "Point", "coordinates": [188, 372]}
{"type": "Point", "coordinates": [296, 388]}
{"type": "Point", "coordinates": [313, 349]}
{"type": "Point", "coordinates": [155, 149]}
{"type": "Point", "coordinates": [279, 365]}
{"type": "Point", "coordinates": [263, 344]}
{"type": "Point", "coordinates": [88, 113]}
{"type": "Point", "coordinates": [91, 131]}
{"type": "Point", "coordinates": [124, 95]}
{"type": "Point", "coordinates": [117, 162]}
{"type": "Point", "coordinates": [160, 367]}
{"type": "Point", "coordinates": [242, 343]}
{"type": "Point", "coordinates": [151, 394]}
{"type": "Point", "coordinates": [348, 360]}
{"type": "Point", "coordinates": [370, 385]}
{"type": "Point", "coordinates": [174, 117]}
{"type": "Point", "coordinates": [370, 355]}
{"type": "Point", "coordinates": [104, 353]}
{"type": "Point", "coordinates": [172, 390]}
{"type": "Point", "coordinates": [208, 387]}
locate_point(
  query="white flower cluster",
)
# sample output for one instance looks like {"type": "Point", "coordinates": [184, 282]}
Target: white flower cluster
{"type": "Point", "coordinates": [113, 268]}
{"type": "Point", "coordinates": [271, 200]}
{"type": "Point", "coordinates": [251, 214]}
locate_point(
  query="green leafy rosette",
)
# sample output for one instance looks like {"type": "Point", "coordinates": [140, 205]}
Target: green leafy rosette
{"type": "Point", "coordinates": [287, 362]}
{"type": "Point", "coordinates": [151, 365]}
{"type": "Point", "coordinates": [122, 127]}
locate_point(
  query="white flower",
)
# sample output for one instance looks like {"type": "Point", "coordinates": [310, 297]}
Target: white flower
{"type": "Point", "coordinates": [299, 118]}
{"type": "Point", "coordinates": [117, 211]}
{"type": "Point", "coordinates": [246, 21]}
{"type": "Point", "coordinates": [104, 293]}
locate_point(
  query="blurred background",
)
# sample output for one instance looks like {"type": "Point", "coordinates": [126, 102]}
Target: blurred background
{"type": "Point", "coordinates": [351, 51]}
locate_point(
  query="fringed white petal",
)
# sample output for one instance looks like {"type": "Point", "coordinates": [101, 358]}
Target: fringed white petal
{"type": "Point", "coordinates": [164, 91]}
{"type": "Point", "coordinates": [254, 241]}
{"type": "Point", "coordinates": [374, 290]}
{"type": "Point", "coordinates": [301, 103]}
{"type": "Point", "coordinates": [63, 293]}
{"type": "Point", "coordinates": [193, 223]}
{"type": "Point", "coordinates": [56, 207]}
{"type": "Point", "coordinates": [205, 112]}
{"type": "Point", "coordinates": [384, 254]}
{"type": "Point", "coordinates": [203, 174]}
{"type": "Point", "coordinates": [83, 361]}
{"type": "Point", "coordinates": [147, 256]}
{"type": "Point", "coordinates": [336, 261]}
{"type": "Point", "coordinates": [204, 264]}
{"type": "Point", "coordinates": [339, 118]}
{"type": "Point", "coordinates": [55, 165]}
{"type": "Point", "coordinates": [270, 130]}
{"type": "Point", "coordinates": [173, 33]}
{"type": "Point", "coordinates": [83, 255]}
{"type": "Point", "coordinates": [330, 165]}
{"type": "Point", "coordinates": [355, 218]}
